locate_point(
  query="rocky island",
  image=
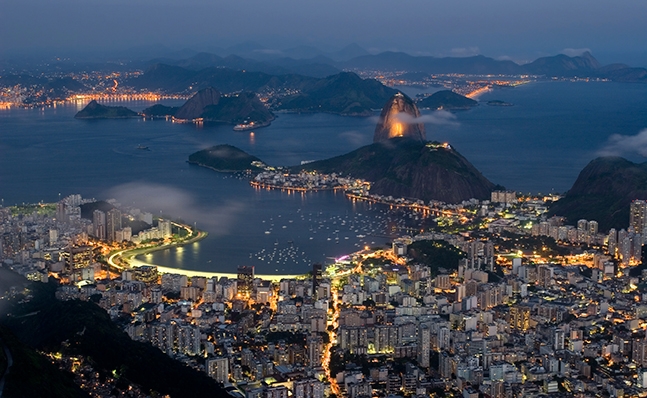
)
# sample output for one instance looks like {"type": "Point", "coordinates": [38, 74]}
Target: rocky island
{"type": "Point", "coordinates": [499, 103]}
{"type": "Point", "coordinates": [209, 105]}
{"type": "Point", "coordinates": [226, 158]}
{"type": "Point", "coordinates": [94, 110]}
{"type": "Point", "coordinates": [448, 100]}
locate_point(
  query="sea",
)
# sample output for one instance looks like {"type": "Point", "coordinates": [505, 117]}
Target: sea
{"type": "Point", "coordinates": [538, 145]}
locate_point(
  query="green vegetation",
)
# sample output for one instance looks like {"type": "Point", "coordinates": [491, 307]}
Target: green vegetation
{"type": "Point", "coordinates": [224, 158]}
{"type": "Point", "coordinates": [94, 110]}
{"type": "Point", "coordinates": [33, 375]}
{"type": "Point", "coordinates": [288, 337]}
{"type": "Point", "coordinates": [410, 169]}
{"type": "Point", "coordinates": [42, 209]}
{"type": "Point", "coordinates": [603, 191]}
{"type": "Point", "coordinates": [159, 110]}
{"type": "Point", "coordinates": [436, 254]}
{"type": "Point", "coordinates": [87, 209]}
{"type": "Point", "coordinates": [447, 99]}
{"type": "Point", "coordinates": [344, 93]}
{"type": "Point", "coordinates": [543, 245]}
{"type": "Point", "coordinates": [241, 108]}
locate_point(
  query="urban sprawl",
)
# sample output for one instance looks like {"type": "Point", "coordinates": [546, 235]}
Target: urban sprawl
{"type": "Point", "coordinates": [532, 307]}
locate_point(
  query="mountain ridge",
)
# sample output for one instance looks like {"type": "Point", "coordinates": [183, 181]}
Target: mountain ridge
{"type": "Point", "coordinates": [603, 191]}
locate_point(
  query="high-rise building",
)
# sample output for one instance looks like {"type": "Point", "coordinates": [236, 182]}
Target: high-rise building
{"type": "Point", "coordinates": [638, 215]}
{"type": "Point", "coordinates": [558, 337]}
{"type": "Point", "coordinates": [316, 275]}
{"type": "Point", "coordinates": [61, 214]}
{"type": "Point", "coordinates": [315, 349]}
{"type": "Point", "coordinates": [164, 227]}
{"type": "Point", "coordinates": [245, 279]}
{"type": "Point", "coordinates": [113, 224]}
{"type": "Point", "coordinates": [612, 242]}
{"type": "Point", "coordinates": [520, 317]}
{"type": "Point", "coordinates": [218, 368]}
{"type": "Point", "coordinates": [99, 224]}
{"type": "Point", "coordinates": [307, 388]}
{"type": "Point", "coordinates": [503, 196]}
{"type": "Point", "coordinates": [593, 227]}
{"type": "Point", "coordinates": [53, 237]}
{"type": "Point", "coordinates": [424, 345]}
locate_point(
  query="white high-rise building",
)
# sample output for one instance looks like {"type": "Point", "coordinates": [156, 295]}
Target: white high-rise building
{"type": "Point", "coordinates": [99, 224]}
{"type": "Point", "coordinates": [424, 345]}
{"type": "Point", "coordinates": [218, 368]}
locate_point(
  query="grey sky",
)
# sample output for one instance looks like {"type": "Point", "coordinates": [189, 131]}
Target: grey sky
{"type": "Point", "coordinates": [614, 31]}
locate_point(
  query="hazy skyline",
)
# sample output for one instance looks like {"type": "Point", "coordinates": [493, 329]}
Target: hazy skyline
{"type": "Point", "coordinates": [521, 31]}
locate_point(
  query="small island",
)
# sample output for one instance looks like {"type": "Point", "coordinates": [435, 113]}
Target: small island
{"type": "Point", "coordinates": [226, 159]}
{"type": "Point", "coordinates": [499, 103]}
{"type": "Point", "coordinates": [447, 100]}
{"type": "Point", "coordinates": [94, 110]}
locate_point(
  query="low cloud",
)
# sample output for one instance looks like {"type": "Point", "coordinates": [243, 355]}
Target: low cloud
{"type": "Point", "coordinates": [464, 51]}
{"type": "Point", "coordinates": [438, 118]}
{"type": "Point", "coordinates": [355, 138]}
{"type": "Point", "coordinates": [574, 52]}
{"type": "Point", "coordinates": [269, 51]}
{"type": "Point", "coordinates": [619, 145]}
{"type": "Point", "coordinates": [175, 203]}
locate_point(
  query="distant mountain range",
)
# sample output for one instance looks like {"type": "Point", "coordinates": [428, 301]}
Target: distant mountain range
{"type": "Point", "coordinates": [603, 191]}
{"type": "Point", "coordinates": [560, 65]}
{"type": "Point", "coordinates": [316, 64]}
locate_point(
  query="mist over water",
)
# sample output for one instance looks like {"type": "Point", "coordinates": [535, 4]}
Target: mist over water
{"type": "Point", "coordinates": [541, 143]}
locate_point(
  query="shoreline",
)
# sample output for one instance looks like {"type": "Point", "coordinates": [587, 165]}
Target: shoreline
{"type": "Point", "coordinates": [130, 257]}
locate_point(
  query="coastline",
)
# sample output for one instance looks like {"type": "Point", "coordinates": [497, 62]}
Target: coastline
{"type": "Point", "coordinates": [214, 169]}
{"type": "Point", "coordinates": [129, 256]}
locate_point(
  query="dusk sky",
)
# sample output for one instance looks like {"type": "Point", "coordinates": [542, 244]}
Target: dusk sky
{"type": "Point", "coordinates": [521, 30]}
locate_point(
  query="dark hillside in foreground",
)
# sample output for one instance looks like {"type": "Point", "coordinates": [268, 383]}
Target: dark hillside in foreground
{"type": "Point", "coordinates": [88, 331]}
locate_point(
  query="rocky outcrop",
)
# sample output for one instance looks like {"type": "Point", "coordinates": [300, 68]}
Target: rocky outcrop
{"type": "Point", "coordinates": [403, 167]}
{"type": "Point", "coordinates": [195, 106]}
{"type": "Point", "coordinates": [603, 191]}
{"type": "Point", "coordinates": [398, 119]}
{"type": "Point", "coordinates": [94, 110]}
{"type": "Point", "coordinates": [448, 100]}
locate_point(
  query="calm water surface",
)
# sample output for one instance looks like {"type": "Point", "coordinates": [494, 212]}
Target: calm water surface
{"type": "Point", "coordinates": [540, 144]}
